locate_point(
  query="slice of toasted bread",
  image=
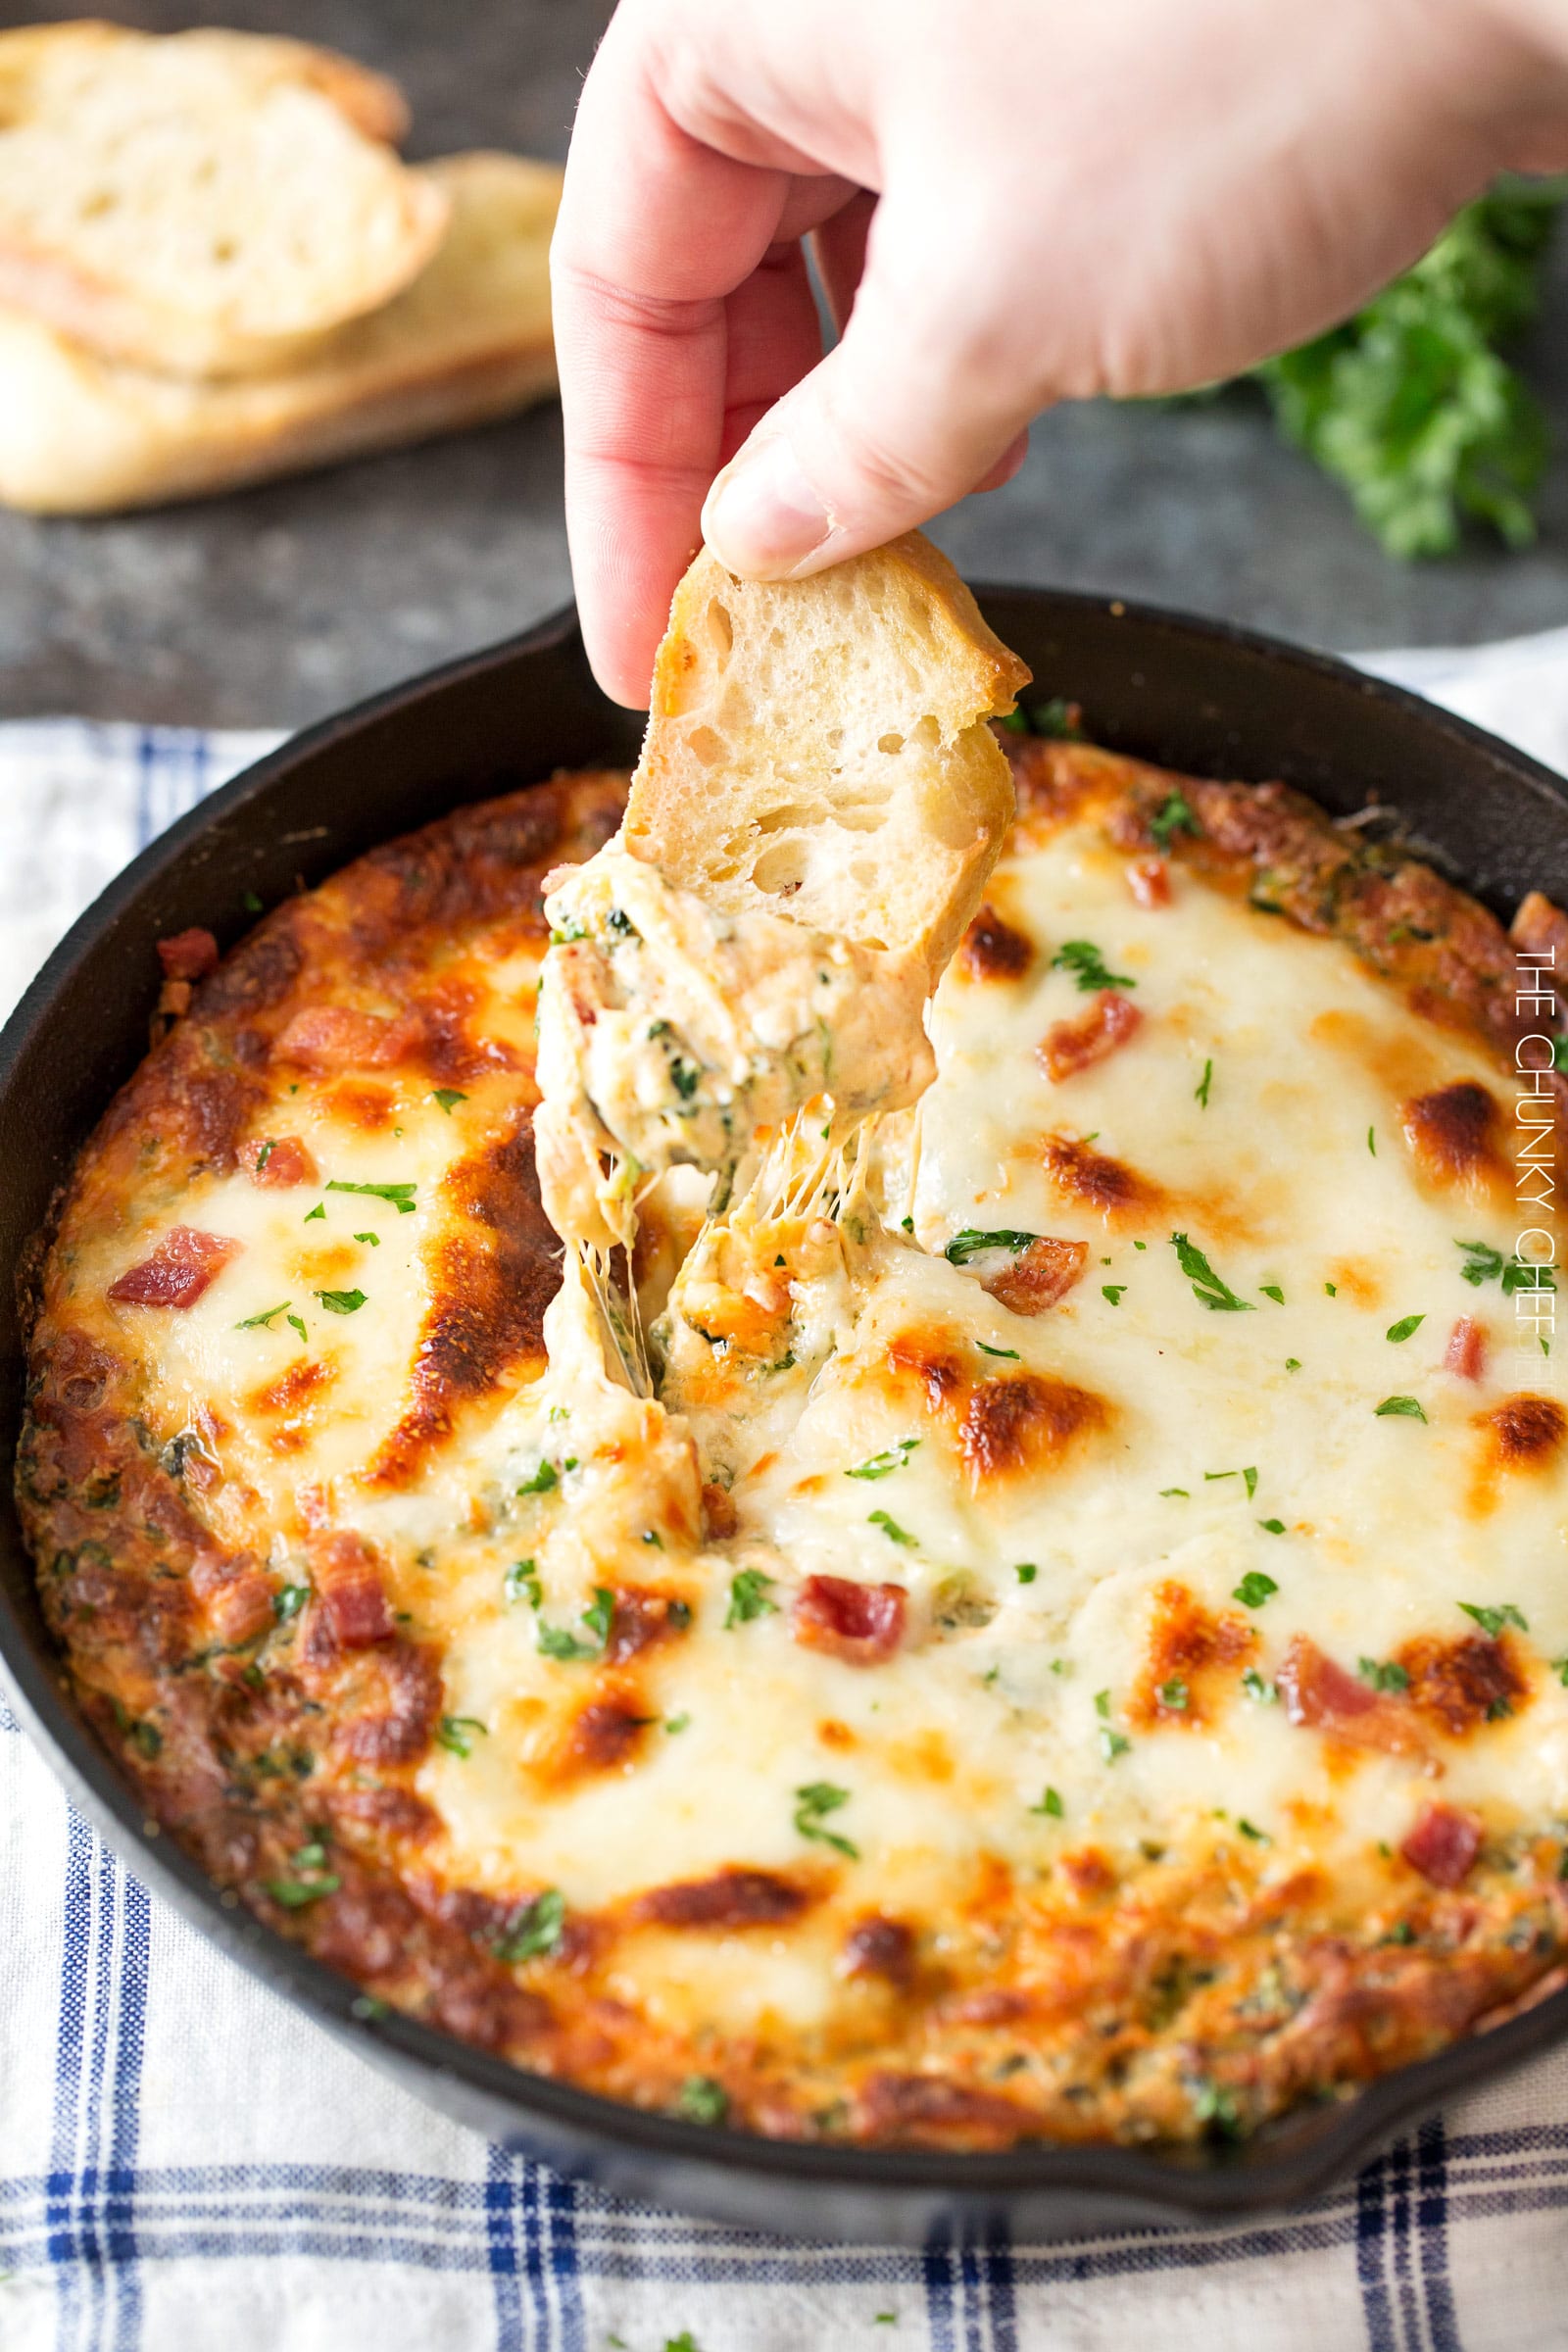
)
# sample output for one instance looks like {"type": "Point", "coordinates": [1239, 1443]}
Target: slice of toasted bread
{"type": "Point", "coordinates": [469, 340]}
{"type": "Point", "coordinates": [43, 65]}
{"type": "Point", "coordinates": [818, 748]}
{"type": "Point", "coordinates": [201, 204]}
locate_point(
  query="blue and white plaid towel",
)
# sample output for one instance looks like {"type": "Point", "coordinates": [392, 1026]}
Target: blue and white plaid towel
{"type": "Point", "coordinates": [187, 2165]}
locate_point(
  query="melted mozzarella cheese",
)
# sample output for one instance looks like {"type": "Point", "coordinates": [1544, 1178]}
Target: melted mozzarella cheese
{"type": "Point", "coordinates": [1216, 1423]}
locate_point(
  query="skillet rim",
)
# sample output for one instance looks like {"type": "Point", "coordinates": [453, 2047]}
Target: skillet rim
{"type": "Point", "coordinates": [1048, 2187]}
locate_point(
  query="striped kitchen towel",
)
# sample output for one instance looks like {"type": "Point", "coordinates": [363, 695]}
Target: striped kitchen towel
{"type": "Point", "coordinates": [188, 2165]}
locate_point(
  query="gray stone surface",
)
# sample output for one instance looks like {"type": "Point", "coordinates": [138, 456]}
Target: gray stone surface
{"type": "Point", "coordinates": [282, 603]}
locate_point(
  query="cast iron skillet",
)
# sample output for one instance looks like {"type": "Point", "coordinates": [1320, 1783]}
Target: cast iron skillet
{"type": "Point", "coordinates": [1217, 701]}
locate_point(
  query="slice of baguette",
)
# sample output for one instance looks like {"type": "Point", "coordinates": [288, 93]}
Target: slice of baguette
{"type": "Point", "coordinates": [818, 748]}
{"type": "Point", "coordinates": [200, 204]}
{"type": "Point", "coordinates": [44, 67]}
{"type": "Point", "coordinates": [468, 341]}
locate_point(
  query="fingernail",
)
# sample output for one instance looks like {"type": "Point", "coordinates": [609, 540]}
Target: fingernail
{"type": "Point", "coordinates": [762, 516]}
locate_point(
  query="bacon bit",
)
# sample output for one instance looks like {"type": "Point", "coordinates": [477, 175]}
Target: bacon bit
{"type": "Point", "coordinates": [1149, 880]}
{"type": "Point", "coordinates": [731, 1899]}
{"type": "Point", "coordinates": [1322, 1697]}
{"type": "Point", "coordinates": [275, 1166]}
{"type": "Point", "coordinates": [336, 1037]}
{"type": "Point", "coordinates": [642, 1619]}
{"type": "Point", "coordinates": [1038, 1276]}
{"type": "Point", "coordinates": [188, 954]}
{"type": "Point", "coordinates": [1072, 1046]}
{"type": "Point", "coordinates": [1465, 1355]}
{"type": "Point", "coordinates": [1184, 1640]}
{"type": "Point", "coordinates": [992, 950]}
{"type": "Point", "coordinates": [1525, 1431]}
{"type": "Point", "coordinates": [1088, 1873]}
{"type": "Point", "coordinates": [181, 1267]}
{"type": "Point", "coordinates": [1011, 1424]}
{"type": "Point", "coordinates": [347, 1575]}
{"type": "Point", "coordinates": [861, 1624]}
{"type": "Point", "coordinates": [1443, 1844]}
{"type": "Point", "coordinates": [1451, 1133]}
{"type": "Point", "coordinates": [1459, 1685]}
{"type": "Point", "coordinates": [720, 1518]}
{"type": "Point", "coordinates": [243, 1608]}
{"type": "Point", "coordinates": [880, 1947]}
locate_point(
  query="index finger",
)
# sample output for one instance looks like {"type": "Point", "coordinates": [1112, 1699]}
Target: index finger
{"type": "Point", "coordinates": [656, 230]}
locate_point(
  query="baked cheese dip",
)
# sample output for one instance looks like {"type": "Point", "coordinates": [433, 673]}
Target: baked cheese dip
{"type": "Point", "coordinates": [1045, 1616]}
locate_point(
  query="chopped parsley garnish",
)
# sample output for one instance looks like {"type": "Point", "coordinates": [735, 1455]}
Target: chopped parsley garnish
{"type": "Point", "coordinates": [1292, 1363]}
{"type": "Point", "coordinates": [890, 1527]}
{"type": "Point", "coordinates": [1173, 816]}
{"type": "Point", "coordinates": [1174, 1695]}
{"type": "Point", "coordinates": [1255, 1588]}
{"type": "Point", "coordinates": [1250, 1475]}
{"type": "Point", "coordinates": [401, 1195]}
{"type": "Point", "coordinates": [1483, 1264]}
{"type": "Point", "coordinates": [1272, 1290]}
{"type": "Point", "coordinates": [375, 1239]}
{"type": "Point", "coordinates": [1103, 1702]}
{"type": "Point", "coordinates": [265, 1155]}
{"type": "Point", "coordinates": [1115, 1292]}
{"type": "Point", "coordinates": [565, 935]}
{"type": "Point", "coordinates": [1049, 1803]}
{"type": "Point", "coordinates": [1026, 1572]}
{"type": "Point", "coordinates": [1383, 1674]}
{"type": "Point", "coordinates": [1272, 1527]}
{"type": "Point", "coordinates": [1057, 720]}
{"type": "Point", "coordinates": [1400, 1331]}
{"type": "Point", "coordinates": [288, 1600]}
{"type": "Point", "coordinates": [555, 1641]}
{"type": "Point", "coordinates": [813, 1804]}
{"type": "Point", "coordinates": [341, 1302]}
{"type": "Point", "coordinates": [521, 1582]}
{"type": "Point", "coordinates": [747, 1598]}
{"type": "Point", "coordinates": [1249, 1830]}
{"type": "Point", "coordinates": [1255, 1687]}
{"type": "Point", "coordinates": [1407, 1409]}
{"type": "Point", "coordinates": [311, 1214]}
{"type": "Point", "coordinates": [1492, 1621]}
{"type": "Point", "coordinates": [1083, 960]}
{"type": "Point", "coordinates": [702, 2100]}
{"type": "Point", "coordinates": [1216, 2107]}
{"type": "Point", "coordinates": [311, 1882]}
{"type": "Point", "coordinates": [545, 1476]}
{"type": "Point", "coordinates": [1207, 1285]}
{"type": "Point", "coordinates": [972, 1241]}
{"type": "Point", "coordinates": [1332, 1288]}
{"type": "Point", "coordinates": [1181, 1490]}
{"type": "Point", "coordinates": [457, 1734]}
{"type": "Point", "coordinates": [1009, 1355]}
{"type": "Point", "coordinates": [447, 1096]}
{"type": "Point", "coordinates": [1200, 1090]}
{"type": "Point", "coordinates": [683, 1077]}
{"type": "Point", "coordinates": [295, 1324]}
{"type": "Point", "coordinates": [650, 1535]}
{"type": "Point", "coordinates": [536, 1929]}
{"type": "Point", "coordinates": [250, 902]}
{"type": "Point", "coordinates": [263, 1322]}
{"type": "Point", "coordinates": [1113, 1744]}
{"type": "Point", "coordinates": [882, 1465]}
{"type": "Point", "coordinates": [1372, 1141]}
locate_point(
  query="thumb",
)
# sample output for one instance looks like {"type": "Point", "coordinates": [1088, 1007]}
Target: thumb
{"type": "Point", "coordinates": [926, 398]}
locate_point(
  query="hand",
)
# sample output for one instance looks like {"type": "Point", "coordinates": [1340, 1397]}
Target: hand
{"type": "Point", "coordinates": [1012, 202]}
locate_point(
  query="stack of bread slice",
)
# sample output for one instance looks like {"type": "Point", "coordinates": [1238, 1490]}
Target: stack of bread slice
{"type": "Point", "coordinates": [214, 267]}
